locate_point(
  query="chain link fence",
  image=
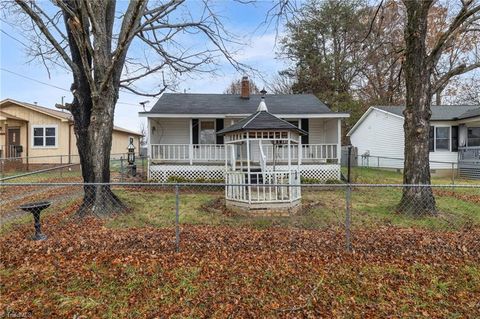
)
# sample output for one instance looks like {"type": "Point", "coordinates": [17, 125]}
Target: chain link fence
{"type": "Point", "coordinates": [352, 216]}
{"type": "Point", "coordinates": [63, 168]}
{"type": "Point", "coordinates": [366, 166]}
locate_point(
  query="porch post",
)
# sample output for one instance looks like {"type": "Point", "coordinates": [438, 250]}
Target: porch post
{"type": "Point", "coordinates": [339, 140]}
{"type": "Point", "coordinates": [190, 145]}
{"type": "Point", "coordinates": [149, 139]}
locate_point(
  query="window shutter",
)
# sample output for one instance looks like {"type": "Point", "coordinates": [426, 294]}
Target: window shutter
{"type": "Point", "coordinates": [454, 138]}
{"type": "Point", "coordinates": [305, 128]}
{"type": "Point", "coordinates": [219, 126]}
{"type": "Point", "coordinates": [195, 131]}
{"type": "Point", "coordinates": [431, 140]}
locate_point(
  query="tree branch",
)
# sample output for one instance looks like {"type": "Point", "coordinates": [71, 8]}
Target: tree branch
{"type": "Point", "coordinates": [458, 22]}
{"type": "Point", "coordinates": [461, 69]}
{"type": "Point", "coordinates": [43, 28]}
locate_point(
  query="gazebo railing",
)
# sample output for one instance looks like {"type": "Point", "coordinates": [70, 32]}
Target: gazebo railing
{"type": "Point", "coordinates": [263, 187]}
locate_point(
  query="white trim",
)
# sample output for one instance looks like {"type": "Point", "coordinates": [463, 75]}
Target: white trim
{"type": "Point", "coordinates": [469, 120]}
{"type": "Point", "coordinates": [435, 139]}
{"type": "Point", "coordinates": [33, 127]}
{"type": "Point", "coordinates": [305, 115]}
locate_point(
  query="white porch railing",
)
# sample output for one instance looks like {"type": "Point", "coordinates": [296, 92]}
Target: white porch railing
{"type": "Point", "coordinates": [469, 154]}
{"type": "Point", "coordinates": [188, 152]}
{"type": "Point", "coordinates": [216, 152]}
{"type": "Point", "coordinates": [264, 187]}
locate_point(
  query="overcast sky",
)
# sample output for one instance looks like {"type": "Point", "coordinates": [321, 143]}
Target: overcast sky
{"type": "Point", "coordinates": [242, 20]}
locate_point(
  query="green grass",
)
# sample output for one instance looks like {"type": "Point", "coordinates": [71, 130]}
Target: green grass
{"type": "Point", "coordinates": [371, 207]}
{"type": "Point", "coordinates": [367, 175]}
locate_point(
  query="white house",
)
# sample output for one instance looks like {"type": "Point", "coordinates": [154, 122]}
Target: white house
{"type": "Point", "coordinates": [454, 137]}
{"type": "Point", "coordinates": [183, 139]}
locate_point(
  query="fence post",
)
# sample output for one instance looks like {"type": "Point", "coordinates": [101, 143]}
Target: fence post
{"type": "Point", "coordinates": [348, 242]}
{"type": "Point", "coordinates": [61, 164]}
{"type": "Point", "coordinates": [177, 221]}
{"type": "Point", "coordinates": [349, 164]}
{"type": "Point", "coordinates": [453, 174]}
{"type": "Point", "coordinates": [121, 168]}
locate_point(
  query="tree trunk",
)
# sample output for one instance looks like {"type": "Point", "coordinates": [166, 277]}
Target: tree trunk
{"type": "Point", "coordinates": [94, 140]}
{"type": "Point", "coordinates": [417, 200]}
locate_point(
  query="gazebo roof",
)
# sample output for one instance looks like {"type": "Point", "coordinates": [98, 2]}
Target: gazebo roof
{"type": "Point", "coordinates": [261, 121]}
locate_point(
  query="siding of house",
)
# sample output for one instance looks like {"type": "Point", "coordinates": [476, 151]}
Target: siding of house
{"type": "Point", "coordinates": [323, 131]}
{"type": "Point", "coordinates": [120, 141]}
{"type": "Point", "coordinates": [44, 155]}
{"type": "Point", "coordinates": [177, 131]}
{"type": "Point", "coordinates": [169, 131]}
{"type": "Point", "coordinates": [37, 118]}
{"type": "Point", "coordinates": [381, 134]}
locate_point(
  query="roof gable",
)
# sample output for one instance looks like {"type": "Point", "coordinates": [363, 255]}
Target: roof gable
{"type": "Point", "coordinates": [261, 120]}
{"type": "Point", "coordinates": [440, 112]}
{"type": "Point", "coordinates": [41, 109]}
{"type": "Point", "coordinates": [64, 116]}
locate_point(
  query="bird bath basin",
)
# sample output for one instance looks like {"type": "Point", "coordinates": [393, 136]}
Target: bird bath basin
{"type": "Point", "coordinates": [36, 208]}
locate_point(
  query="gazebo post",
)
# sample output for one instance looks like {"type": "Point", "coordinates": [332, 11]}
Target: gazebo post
{"type": "Point", "coordinates": [289, 148]}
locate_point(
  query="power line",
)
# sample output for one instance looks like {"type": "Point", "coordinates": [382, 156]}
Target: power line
{"type": "Point", "coordinates": [35, 80]}
{"type": "Point", "coordinates": [58, 64]}
{"type": "Point", "coordinates": [51, 85]}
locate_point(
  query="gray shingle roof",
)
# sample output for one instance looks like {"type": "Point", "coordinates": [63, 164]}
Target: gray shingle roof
{"type": "Point", "coordinates": [440, 112]}
{"type": "Point", "coordinates": [471, 113]}
{"type": "Point", "coordinates": [180, 103]}
{"type": "Point", "coordinates": [261, 120]}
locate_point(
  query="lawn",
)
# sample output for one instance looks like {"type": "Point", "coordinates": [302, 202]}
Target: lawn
{"type": "Point", "coordinates": [232, 265]}
{"type": "Point", "coordinates": [87, 268]}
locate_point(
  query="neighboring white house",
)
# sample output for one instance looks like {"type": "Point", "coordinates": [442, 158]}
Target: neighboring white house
{"type": "Point", "coordinates": [454, 137]}
{"type": "Point", "coordinates": [183, 139]}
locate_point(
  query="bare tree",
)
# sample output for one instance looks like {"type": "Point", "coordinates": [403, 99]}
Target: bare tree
{"type": "Point", "coordinates": [93, 40]}
{"type": "Point", "coordinates": [282, 83]}
{"type": "Point", "coordinates": [144, 138]}
{"type": "Point", "coordinates": [419, 66]}
{"type": "Point", "coordinates": [235, 87]}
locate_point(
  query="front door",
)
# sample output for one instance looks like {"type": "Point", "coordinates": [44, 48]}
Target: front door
{"type": "Point", "coordinates": [13, 149]}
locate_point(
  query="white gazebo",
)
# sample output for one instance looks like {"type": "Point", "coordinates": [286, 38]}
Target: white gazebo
{"type": "Point", "coordinates": [254, 180]}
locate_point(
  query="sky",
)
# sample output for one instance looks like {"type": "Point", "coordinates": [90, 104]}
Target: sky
{"type": "Point", "coordinates": [29, 81]}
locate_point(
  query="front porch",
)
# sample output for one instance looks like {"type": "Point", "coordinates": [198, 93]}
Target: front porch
{"type": "Point", "coordinates": [206, 162]}
{"type": "Point", "coordinates": [469, 162]}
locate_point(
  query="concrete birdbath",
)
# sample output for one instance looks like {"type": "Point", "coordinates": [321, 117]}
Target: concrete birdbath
{"type": "Point", "coordinates": [36, 208]}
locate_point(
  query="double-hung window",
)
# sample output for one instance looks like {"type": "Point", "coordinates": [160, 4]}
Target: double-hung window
{"type": "Point", "coordinates": [474, 136]}
{"type": "Point", "coordinates": [45, 136]}
{"type": "Point", "coordinates": [442, 138]}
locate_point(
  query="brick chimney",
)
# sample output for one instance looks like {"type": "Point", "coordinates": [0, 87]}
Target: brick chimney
{"type": "Point", "coordinates": [245, 92]}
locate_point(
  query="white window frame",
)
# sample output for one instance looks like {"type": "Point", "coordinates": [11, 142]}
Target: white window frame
{"type": "Point", "coordinates": [200, 129]}
{"type": "Point", "coordinates": [55, 126]}
{"type": "Point", "coordinates": [467, 144]}
{"type": "Point", "coordinates": [449, 138]}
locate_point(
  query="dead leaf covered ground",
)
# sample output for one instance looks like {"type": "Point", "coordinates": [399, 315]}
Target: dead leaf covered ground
{"type": "Point", "coordinates": [86, 268]}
